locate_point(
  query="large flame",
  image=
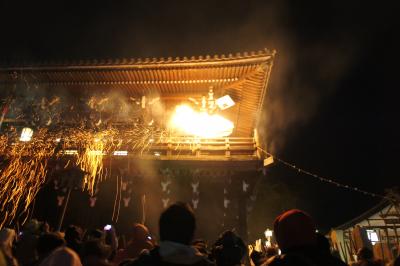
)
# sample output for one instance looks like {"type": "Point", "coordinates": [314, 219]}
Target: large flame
{"type": "Point", "coordinates": [201, 124]}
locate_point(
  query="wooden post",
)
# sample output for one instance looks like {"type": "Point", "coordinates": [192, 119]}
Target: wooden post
{"type": "Point", "coordinates": [381, 242]}
{"type": "Point", "coordinates": [256, 141]}
{"type": "Point", "coordinates": [349, 249]}
{"type": "Point", "coordinates": [343, 252]}
{"type": "Point", "coordinates": [227, 148]}
{"type": "Point", "coordinates": [242, 211]}
{"type": "Point", "coordinates": [169, 150]}
{"type": "Point", "coordinates": [395, 233]}
{"type": "Point", "coordinates": [143, 202]}
{"type": "Point", "coordinates": [61, 220]}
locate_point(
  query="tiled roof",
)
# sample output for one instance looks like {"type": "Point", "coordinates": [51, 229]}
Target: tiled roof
{"type": "Point", "coordinates": [132, 62]}
{"type": "Point", "coordinates": [243, 76]}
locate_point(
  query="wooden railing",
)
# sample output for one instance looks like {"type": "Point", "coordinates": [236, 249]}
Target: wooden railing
{"type": "Point", "coordinates": [225, 148]}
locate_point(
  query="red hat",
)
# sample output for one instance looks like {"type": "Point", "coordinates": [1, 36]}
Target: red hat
{"type": "Point", "coordinates": [294, 228]}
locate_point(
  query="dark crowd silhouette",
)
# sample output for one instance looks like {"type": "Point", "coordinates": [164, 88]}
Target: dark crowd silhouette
{"type": "Point", "coordinates": [297, 243]}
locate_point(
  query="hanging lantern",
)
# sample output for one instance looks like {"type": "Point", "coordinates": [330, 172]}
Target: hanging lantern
{"type": "Point", "coordinates": [26, 134]}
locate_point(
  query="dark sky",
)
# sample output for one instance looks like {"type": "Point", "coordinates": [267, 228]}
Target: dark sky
{"type": "Point", "coordinates": [331, 107]}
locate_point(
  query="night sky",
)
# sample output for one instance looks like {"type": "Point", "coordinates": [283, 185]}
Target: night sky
{"type": "Point", "coordinates": [331, 106]}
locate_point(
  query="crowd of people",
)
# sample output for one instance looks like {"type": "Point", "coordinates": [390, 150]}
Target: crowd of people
{"type": "Point", "coordinates": [295, 234]}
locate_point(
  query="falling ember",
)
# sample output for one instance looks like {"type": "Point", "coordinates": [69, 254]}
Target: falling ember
{"type": "Point", "coordinates": [23, 164]}
{"type": "Point", "coordinates": [22, 174]}
{"type": "Point", "coordinates": [3, 144]}
{"type": "Point", "coordinates": [91, 161]}
{"type": "Point", "coordinates": [201, 124]}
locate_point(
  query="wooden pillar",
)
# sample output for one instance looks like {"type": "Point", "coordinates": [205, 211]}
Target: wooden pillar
{"type": "Point", "coordinates": [61, 219]}
{"type": "Point", "coordinates": [242, 211]}
{"type": "Point", "coordinates": [243, 219]}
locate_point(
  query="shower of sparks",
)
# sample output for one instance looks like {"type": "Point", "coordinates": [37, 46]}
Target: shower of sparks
{"type": "Point", "coordinates": [23, 165]}
{"type": "Point", "coordinates": [141, 137]}
{"type": "Point", "coordinates": [91, 160]}
{"type": "Point", "coordinates": [23, 171]}
{"type": "Point", "coordinates": [57, 131]}
{"type": "Point", "coordinates": [3, 144]}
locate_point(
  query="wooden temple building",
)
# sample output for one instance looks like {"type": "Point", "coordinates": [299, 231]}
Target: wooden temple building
{"type": "Point", "coordinates": [377, 229]}
{"type": "Point", "coordinates": [216, 174]}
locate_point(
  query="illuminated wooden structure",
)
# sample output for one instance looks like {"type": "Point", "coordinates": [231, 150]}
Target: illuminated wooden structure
{"type": "Point", "coordinates": [378, 229]}
{"type": "Point", "coordinates": [242, 76]}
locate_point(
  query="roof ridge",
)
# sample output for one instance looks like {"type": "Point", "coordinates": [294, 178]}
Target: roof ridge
{"type": "Point", "coordinates": [364, 215]}
{"type": "Point", "coordinates": [139, 60]}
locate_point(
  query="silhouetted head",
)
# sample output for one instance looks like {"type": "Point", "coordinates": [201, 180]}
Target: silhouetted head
{"type": "Point", "coordinates": [73, 234]}
{"type": "Point", "coordinates": [96, 248]}
{"type": "Point", "coordinates": [271, 251]}
{"type": "Point", "coordinates": [397, 261]}
{"type": "Point", "coordinates": [63, 256]}
{"type": "Point", "coordinates": [32, 227]}
{"type": "Point", "coordinates": [294, 229]}
{"type": "Point", "coordinates": [48, 242]}
{"type": "Point", "coordinates": [177, 224]}
{"type": "Point", "coordinates": [323, 245]}
{"type": "Point", "coordinates": [7, 237]}
{"type": "Point", "coordinates": [365, 254]}
{"type": "Point", "coordinates": [44, 227]}
{"type": "Point", "coordinates": [229, 249]}
{"type": "Point", "coordinates": [94, 234]}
